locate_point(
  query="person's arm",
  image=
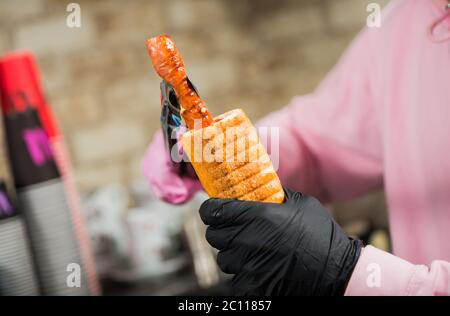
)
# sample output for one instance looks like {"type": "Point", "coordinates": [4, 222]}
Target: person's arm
{"type": "Point", "coordinates": [163, 178]}
{"type": "Point", "coordinates": [330, 143]}
{"type": "Point", "coordinates": [296, 248]}
{"type": "Point", "coordinates": [380, 273]}
{"type": "Point", "coordinates": [329, 140]}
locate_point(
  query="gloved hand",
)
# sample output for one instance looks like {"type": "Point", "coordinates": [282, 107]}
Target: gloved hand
{"type": "Point", "coordinates": [163, 178]}
{"type": "Point", "coordinates": [294, 248]}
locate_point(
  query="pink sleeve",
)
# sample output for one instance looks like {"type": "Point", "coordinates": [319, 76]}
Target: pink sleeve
{"type": "Point", "coordinates": [165, 183]}
{"type": "Point", "coordinates": [330, 139]}
{"type": "Point", "coordinates": [380, 273]}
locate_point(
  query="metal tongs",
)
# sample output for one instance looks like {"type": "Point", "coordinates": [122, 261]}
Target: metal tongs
{"type": "Point", "coordinates": [172, 126]}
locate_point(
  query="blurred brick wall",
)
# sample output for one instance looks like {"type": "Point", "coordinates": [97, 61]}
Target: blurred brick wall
{"type": "Point", "coordinates": [255, 54]}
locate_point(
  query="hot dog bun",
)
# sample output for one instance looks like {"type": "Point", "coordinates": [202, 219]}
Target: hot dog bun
{"type": "Point", "coordinates": [230, 160]}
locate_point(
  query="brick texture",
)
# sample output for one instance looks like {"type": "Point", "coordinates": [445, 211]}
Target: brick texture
{"type": "Point", "coordinates": [254, 54]}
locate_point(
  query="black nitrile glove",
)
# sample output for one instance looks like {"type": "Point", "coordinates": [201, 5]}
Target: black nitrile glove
{"type": "Point", "coordinates": [294, 248]}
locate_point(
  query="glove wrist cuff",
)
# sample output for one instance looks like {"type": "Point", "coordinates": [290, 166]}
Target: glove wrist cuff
{"type": "Point", "coordinates": [349, 265]}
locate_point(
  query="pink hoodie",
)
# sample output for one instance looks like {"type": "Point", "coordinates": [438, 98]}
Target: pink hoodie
{"type": "Point", "coordinates": [380, 118]}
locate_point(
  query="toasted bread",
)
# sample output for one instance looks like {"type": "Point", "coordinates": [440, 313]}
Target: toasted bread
{"type": "Point", "coordinates": [230, 160]}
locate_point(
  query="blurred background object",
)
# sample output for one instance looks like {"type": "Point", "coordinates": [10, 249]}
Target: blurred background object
{"type": "Point", "coordinates": [254, 54]}
{"type": "Point", "coordinates": [39, 168]}
{"type": "Point", "coordinates": [17, 272]}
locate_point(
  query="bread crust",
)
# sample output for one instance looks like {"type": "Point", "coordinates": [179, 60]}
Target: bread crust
{"type": "Point", "coordinates": [230, 160]}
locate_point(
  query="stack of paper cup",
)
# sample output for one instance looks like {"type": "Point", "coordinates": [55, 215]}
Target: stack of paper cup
{"type": "Point", "coordinates": [40, 170]}
{"type": "Point", "coordinates": [17, 275]}
{"type": "Point", "coordinates": [56, 252]}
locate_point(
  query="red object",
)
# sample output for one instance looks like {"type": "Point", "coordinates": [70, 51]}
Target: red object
{"type": "Point", "coordinates": [169, 65]}
{"type": "Point", "coordinates": [20, 86]}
